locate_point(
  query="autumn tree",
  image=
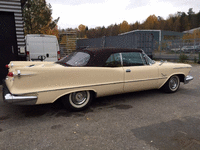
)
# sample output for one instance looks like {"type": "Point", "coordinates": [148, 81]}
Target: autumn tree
{"type": "Point", "coordinates": [179, 22]}
{"type": "Point", "coordinates": [37, 18]}
{"type": "Point", "coordinates": [82, 31]}
{"type": "Point", "coordinates": [151, 22]}
{"type": "Point", "coordinates": [124, 27]}
{"type": "Point", "coordinates": [115, 30]}
{"type": "Point", "coordinates": [194, 35]}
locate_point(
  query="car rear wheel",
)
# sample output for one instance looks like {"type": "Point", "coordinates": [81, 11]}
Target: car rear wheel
{"type": "Point", "coordinates": [172, 84]}
{"type": "Point", "coordinates": [77, 101]}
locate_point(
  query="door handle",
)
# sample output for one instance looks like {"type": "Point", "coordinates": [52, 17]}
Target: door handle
{"type": "Point", "coordinates": [128, 70]}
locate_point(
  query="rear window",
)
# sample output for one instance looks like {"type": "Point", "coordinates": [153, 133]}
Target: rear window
{"type": "Point", "coordinates": [76, 59]}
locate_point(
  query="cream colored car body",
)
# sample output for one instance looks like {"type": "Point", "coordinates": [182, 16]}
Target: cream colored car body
{"type": "Point", "coordinates": [50, 81]}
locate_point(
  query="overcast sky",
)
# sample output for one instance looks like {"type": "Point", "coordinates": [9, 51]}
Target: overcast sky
{"type": "Point", "coordinates": [94, 13]}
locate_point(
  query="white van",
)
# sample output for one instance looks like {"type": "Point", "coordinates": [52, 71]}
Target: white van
{"type": "Point", "coordinates": [41, 47]}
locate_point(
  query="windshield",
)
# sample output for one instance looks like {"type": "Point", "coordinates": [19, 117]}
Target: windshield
{"type": "Point", "coordinates": [148, 60]}
{"type": "Point", "coordinates": [75, 59]}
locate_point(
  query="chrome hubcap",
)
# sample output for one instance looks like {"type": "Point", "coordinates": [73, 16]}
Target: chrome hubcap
{"type": "Point", "coordinates": [79, 98]}
{"type": "Point", "coordinates": [173, 84]}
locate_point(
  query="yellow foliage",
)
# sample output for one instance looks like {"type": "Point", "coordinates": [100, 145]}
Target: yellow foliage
{"type": "Point", "coordinates": [194, 35]}
{"type": "Point", "coordinates": [151, 22]}
{"type": "Point", "coordinates": [81, 27]}
{"type": "Point", "coordinates": [124, 27]}
{"type": "Point", "coordinates": [48, 31]}
{"type": "Point", "coordinates": [63, 39]}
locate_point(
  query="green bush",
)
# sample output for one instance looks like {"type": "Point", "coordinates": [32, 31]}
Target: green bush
{"type": "Point", "coordinates": [195, 59]}
{"type": "Point", "coordinates": [183, 58]}
{"type": "Point", "coordinates": [199, 58]}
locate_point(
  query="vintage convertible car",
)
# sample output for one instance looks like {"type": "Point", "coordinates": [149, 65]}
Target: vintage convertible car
{"type": "Point", "coordinates": [89, 73]}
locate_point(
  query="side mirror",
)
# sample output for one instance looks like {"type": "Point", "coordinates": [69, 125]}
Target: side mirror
{"type": "Point", "coordinates": [47, 55]}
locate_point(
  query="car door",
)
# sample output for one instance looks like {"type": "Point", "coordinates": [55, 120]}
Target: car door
{"type": "Point", "coordinates": [138, 73]}
{"type": "Point", "coordinates": [113, 72]}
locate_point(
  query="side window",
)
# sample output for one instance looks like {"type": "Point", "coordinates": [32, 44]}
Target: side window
{"type": "Point", "coordinates": [113, 61]}
{"type": "Point", "coordinates": [133, 59]}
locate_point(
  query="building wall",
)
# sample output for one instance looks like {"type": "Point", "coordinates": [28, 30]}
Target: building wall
{"type": "Point", "coordinates": [15, 7]}
{"type": "Point", "coordinates": [147, 40]}
{"type": "Point", "coordinates": [12, 41]}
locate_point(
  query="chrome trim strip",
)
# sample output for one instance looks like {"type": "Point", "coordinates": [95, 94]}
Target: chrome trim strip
{"type": "Point", "coordinates": [146, 79]}
{"type": "Point", "coordinates": [121, 59]}
{"type": "Point", "coordinates": [95, 85]}
{"type": "Point", "coordinates": [72, 88]}
{"type": "Point", "coordinates": [26, 74]}
{"type": "Point", "coordinates": [181, 67]}
{"type": "Point", "coordinates": [22, 75]}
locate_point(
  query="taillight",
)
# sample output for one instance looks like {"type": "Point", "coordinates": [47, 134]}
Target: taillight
{"type": "Point", "coordinates": [58, 55]}
{"type": "Point", "coordinates": [10, 74]}
{"type": "Point", "coordinates": [27, 55]}
{"type": "Point", "coordinates": [7, 66]}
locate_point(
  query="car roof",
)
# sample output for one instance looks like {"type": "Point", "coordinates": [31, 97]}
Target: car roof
{"type": "Point", "coordinates": [100, 55]}
{"type": "Point", "coordinates": [111, 50]}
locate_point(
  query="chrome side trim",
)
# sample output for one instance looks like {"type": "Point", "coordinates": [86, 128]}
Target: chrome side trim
{"type": "Point", "coordinates": [146, 79]}
{"type": "Point", "coordinates": [121, 59]}
{"type": "Point", "coordinates": [187, 79]}
{"type": "Point", "coordinates": [97, 85]}
{"type": "Point", "coordinates": [181, 67]}
{"type": "Point", "coordinates": [22, 75]}
{"type": "Point", "coordinates": [26, 74]}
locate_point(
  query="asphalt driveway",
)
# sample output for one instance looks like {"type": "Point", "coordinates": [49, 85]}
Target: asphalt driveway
{"type": "Point", "coordinates": [144, 120]}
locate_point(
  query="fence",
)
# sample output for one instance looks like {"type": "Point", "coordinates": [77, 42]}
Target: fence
{"type": "Point", "coordinates": [172, 49]}
{"type": "Point", "coordinates": [122, 41]}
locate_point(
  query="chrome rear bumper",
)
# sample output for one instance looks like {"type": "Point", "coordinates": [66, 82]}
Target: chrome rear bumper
{"type": "Point", "coordinates": [188, 79]}
{"type": "Point", "coordinates": [17, 99]}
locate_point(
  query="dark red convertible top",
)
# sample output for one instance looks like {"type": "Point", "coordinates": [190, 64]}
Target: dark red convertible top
{"type": "Point", "coordinates": [100, 55]}
{"type": "Point", "coordinates": [110, 50]}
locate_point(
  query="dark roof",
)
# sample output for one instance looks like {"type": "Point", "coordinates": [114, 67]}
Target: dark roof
{"type": "Point", "coordinates": [111, 50]}
{"type": "Point", "coordinates": [100, 55]}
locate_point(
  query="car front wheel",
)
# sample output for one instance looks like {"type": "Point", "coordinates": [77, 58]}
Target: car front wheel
{"type": "Point", "coordinates": [172, 84]}
{"type": "Point", "coordinates": [77, 101]}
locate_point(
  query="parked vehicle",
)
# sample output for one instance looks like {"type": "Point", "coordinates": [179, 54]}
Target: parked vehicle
{"type": "Point", "coordinates": [178, 50]}
{"type": "Point", "coordinates": [197, 48]}
{"type": "Point", "coordinates": [85, 74]}
{"type": "Point", "coordinates": [188, 49]}
{"type": "Point", "coordinates": [42, 47]}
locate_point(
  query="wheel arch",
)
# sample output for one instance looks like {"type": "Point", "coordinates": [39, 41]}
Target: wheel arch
{"type": "Point", "coordinates": [93, 92]}
{"type": "Point", "coordinates": [180, 75]}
